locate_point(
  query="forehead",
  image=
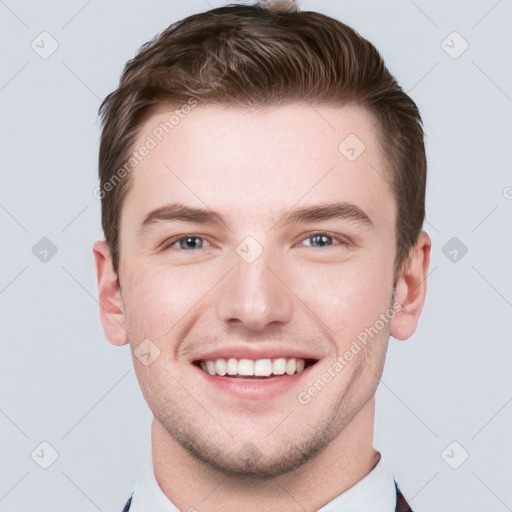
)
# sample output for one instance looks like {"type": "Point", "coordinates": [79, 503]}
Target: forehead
{"type": "Point", "coordinates": [252, 165]}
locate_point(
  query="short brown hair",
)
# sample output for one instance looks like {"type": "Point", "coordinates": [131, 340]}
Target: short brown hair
{"type": "Point", "coordinates": [250, 56]}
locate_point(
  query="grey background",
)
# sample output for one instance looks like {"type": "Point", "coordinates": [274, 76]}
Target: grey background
{"type": "Point", "coordinates": [62, 383]}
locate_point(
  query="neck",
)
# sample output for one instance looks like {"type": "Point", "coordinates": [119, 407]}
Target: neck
{"type": "Point", "coordinates": [191, 485]}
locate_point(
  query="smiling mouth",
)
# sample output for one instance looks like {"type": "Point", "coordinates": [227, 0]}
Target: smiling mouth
{"type": "Point", "coordinates": [254, 368]}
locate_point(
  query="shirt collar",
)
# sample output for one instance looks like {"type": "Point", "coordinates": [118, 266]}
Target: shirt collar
{"type": "Point", "coordinates": [375, 489]}
{"type": "Point", "coordinates": [148, 495]}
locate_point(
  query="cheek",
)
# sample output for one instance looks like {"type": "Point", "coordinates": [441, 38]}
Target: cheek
{"type": "Point", "coordinates": [159, 297]}
{"type": "Point", "coordinates": [347, 297]}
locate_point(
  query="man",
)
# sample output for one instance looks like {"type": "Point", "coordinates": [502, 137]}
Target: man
{"type": "Point", "coordinates": [262, 178]}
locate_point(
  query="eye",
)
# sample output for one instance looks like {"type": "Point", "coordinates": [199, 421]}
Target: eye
{"type": "Point", "coordinates": [193, 243]}
{"type": "Point", "coordinates": [189, 242]}
{"type": "Point", "coordinates": [320, 240]}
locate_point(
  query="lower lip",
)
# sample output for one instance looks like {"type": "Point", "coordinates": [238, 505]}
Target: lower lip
{"type": "Point", "coordinates": [253, 389]}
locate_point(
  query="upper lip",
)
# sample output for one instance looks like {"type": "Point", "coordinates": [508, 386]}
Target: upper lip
{"type": "Point", "coordinates": [249, 352]}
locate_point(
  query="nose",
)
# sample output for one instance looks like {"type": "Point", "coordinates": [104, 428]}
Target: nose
{"type": "Point", "coordinates": [254, 294]}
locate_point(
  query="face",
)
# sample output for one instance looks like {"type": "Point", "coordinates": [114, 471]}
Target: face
{"type": "Point", "coordinates": [251, 244]}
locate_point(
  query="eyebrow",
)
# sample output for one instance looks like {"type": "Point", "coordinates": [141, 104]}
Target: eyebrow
{"type": "Point", "coordinates": [314, 213]}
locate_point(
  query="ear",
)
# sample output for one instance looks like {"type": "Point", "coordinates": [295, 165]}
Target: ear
{"type": "Point", "coordinates": [109, 296]}
{"type": "Point", "coordinates": [411, 289]}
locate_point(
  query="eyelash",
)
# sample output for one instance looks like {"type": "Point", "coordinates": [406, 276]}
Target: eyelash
{"type": "Point", "coordinates": [341, 241]}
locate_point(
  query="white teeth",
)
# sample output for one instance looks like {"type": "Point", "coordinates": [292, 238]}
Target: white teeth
{"type": "Point", "coordinates": [291, 366]}
{"type": "Point", "coordinates": [220, 367]}
{"type": "Point", "coordinates": [262, 367]}
{"type": "Point", "coordinates": [232, 366]}
{"type": "Point", "coordinates": [246, 367]}
{"type": "Point", "coordinates": [257, 368]}
{"type": "Point", "coordinates": [279, 366]}
{"type": "Point", "coordinates": [210, 367]}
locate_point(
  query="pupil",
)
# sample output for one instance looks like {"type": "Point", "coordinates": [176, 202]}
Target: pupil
{"type": "Point", "coordinates": [323, 240]}
{"type": "Point", "coordinates": [189, 242]}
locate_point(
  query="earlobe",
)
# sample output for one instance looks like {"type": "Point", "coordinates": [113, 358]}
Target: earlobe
{"type": "Point", "coordinates": [411, 289]}
{"type": "Point", "coordinates": [112, 314]}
